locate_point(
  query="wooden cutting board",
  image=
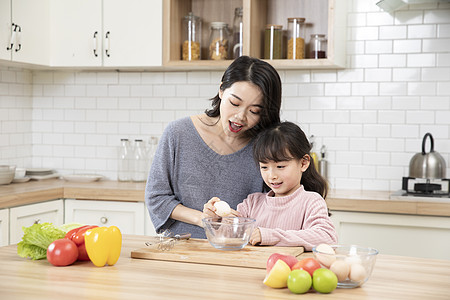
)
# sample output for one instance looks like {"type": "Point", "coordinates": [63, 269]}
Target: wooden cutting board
{"type": "Point", "coordinates": [200, 251]}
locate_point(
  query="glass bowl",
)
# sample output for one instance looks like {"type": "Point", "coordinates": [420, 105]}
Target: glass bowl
{"type": "Point", "coordinates": [358, 260]}
{"type": "Point", "coordinates": [228, 233]}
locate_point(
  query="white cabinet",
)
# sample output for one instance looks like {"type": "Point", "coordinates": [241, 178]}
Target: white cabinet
{"type": "Point", "coordinates": [27, 215]}
{"type": "Point", "coordinates": [407, 235]}
{"type": "Point", "coordinates": [25, 31]}
{"type": "Point", "coordinates": [129, 217]}
{"type": "Point", "coordinates": [111, 33]}
{"type": "Point", "coordinates": [4, 227]}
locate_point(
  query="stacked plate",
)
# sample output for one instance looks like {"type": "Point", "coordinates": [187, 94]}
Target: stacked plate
{"type": "Point", "coordinates": [7, 174]}
{"type": "Point", "coordinates": [41, 173]}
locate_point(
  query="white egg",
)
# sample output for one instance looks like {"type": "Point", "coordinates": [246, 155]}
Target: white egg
{"type": "Point", "coordinates": [357, 272]}
{"type": "Point", "coordinates": [222, 208]}
{"type": "Point", "coordinates": [341, 269]}
{"type": "Point", "coordinates": [327, 256]}
{"type": "Point", "coordinates": [353, 259]}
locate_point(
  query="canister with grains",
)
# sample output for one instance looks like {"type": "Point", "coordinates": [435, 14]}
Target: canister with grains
{"type": "Point", "coordinates": [218, 41]}
{"type": "Point", "coordinates": [296, 38]}
{"type": "Point", "coordinates": [190, 43]}
{"type": "Point", "coordinates": [273, 41]}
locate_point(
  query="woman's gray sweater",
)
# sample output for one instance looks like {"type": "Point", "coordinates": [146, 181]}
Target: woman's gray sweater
{"type": "Point", "coordinates": [185, 170]}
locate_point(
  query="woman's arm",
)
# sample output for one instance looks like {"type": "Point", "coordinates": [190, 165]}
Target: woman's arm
{"type": "Point", "coordinates": [187, 215]}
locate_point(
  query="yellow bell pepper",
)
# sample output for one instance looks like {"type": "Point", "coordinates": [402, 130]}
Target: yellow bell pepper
{"type": "Point", "coordinates": [103, 245]}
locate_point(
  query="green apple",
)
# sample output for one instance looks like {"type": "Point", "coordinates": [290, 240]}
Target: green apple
{"type": "Point", "coordinates": [324, 281]}
{"type": "Point", "coordinates": [299, 281]}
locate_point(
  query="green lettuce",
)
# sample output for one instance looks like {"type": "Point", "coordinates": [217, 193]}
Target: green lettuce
{"type": "Point", "coordinates": [37, 238]}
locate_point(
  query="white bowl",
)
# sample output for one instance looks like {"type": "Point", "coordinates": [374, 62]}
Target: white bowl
{"type": "Point", "coordinates": [20, 173]}
{"type": "Point", "coordinates": [7, 174]}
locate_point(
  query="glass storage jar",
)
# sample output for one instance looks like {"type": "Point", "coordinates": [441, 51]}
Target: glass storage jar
{"type": "Point", "coordinates": [218, 41]}
{"type": "Point", "coordinates": [237, 33]}
{"type": "Point", "coordinates": [296, 38]}
{"type": "Point", "coordinates": [191, 36]}
{"type": "Point", "coordinates": [318, 46]}
{"type": "Point", "coordinates": [273, 41]}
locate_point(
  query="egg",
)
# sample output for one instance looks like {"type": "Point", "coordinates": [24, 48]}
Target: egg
{"type": "Point", "coordinates": [222, 208]}
{"type": "Point", "coordinates": [341, 269]}
{"type": "Point", "coordinates": [357, 272]}
{"type": "Point", "coordinates": [327, 256]}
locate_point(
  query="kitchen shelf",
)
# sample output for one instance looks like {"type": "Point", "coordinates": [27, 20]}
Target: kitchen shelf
{"type": "Point", "coordinates": [322, 16]}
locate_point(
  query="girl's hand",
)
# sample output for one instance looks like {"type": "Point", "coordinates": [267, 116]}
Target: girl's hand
{"type": "Point", "coordinates": [255, 238]}
{"type": "Point", "coordinates": [209, 210]}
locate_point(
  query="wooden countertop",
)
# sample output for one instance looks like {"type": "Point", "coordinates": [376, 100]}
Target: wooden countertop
{"type": "Point", "coordinates": [345, 200]}
{"type": "Point", "coordinates": [394, 277]}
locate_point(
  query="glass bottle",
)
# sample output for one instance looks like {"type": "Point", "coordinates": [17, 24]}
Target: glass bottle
{"type": "Point", "coordinates": [273, 41]}
{"type": "Point", "coordinates": [125, 159]}
{"type": "Point", "coordinates": [218, 41]}
{"type": "Point", "coordinates": [140, 164]}
{"type": "Point", "coordinates": [237, 33]}
{"type": "Point", "coordinates": [152, 145]}
{"type": "Point", "coordinates": [191, 37]}
{"type": "Point", "coordinates": [296, 38]}
{"type": "Point", "coordinates": [317, 45]}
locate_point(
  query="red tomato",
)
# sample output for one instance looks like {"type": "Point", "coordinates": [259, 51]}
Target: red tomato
{"type": "Point", "coordinates": [62, 252]}
{"type": "Point", "coordinates": [308, 264]}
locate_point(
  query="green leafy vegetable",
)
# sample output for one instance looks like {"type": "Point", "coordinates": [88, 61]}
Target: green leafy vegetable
{"type": "Point", "coordinates": [69, 226]}
{"type": "Point", "coordinates": [37, 238]}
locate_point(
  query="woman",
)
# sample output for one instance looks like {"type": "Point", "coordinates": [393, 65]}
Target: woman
{"type": "Point", "coordinates": [210, 155]}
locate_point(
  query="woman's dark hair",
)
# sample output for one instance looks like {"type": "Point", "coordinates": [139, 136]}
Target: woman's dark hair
{"type": "Point", "coordinates": [265, 77]}
{"type": "Point", "coordinates": [286, 141]}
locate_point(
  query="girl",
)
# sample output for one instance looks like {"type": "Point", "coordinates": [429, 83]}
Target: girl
{"type": "Point", "coordinates": [293, 213]}
{"type": "Point", "coordinates": [210, 154]}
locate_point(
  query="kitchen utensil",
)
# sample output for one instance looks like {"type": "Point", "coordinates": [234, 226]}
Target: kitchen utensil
{"type": "Point", "coordinates": [352, 264]}
{"type": "Point", "coordinates": [228, 233]}
{"type": "Point", "coordinates": [429, 165]}
{"type": "Point", "coordinates": [165, 240]}
{"type": "Point", "coordinates": [7, 174]}
{"type": "Point", "coordinates": [200, 251]}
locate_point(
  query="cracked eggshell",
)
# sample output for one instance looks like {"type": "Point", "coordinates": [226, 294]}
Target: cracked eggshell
{"type": "Point", "coordinates": [222, 208]}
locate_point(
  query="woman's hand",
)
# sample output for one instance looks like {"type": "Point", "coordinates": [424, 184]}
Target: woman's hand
{"type": "Point", "coordinates": [255, 238]}
{"type": "Point", "coordinates": [209, 210]}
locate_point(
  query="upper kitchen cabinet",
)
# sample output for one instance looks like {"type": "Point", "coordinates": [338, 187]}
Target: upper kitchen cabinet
{"type": "Point", "coordinates": [24, 31]}
{"type": "Point", "coordinates": [109, 33]}
{"type": "Point", "coordinates": [326, 17]}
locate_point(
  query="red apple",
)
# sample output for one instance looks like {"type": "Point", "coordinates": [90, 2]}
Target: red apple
{"type": "Point", "coordinates": [288, 259]}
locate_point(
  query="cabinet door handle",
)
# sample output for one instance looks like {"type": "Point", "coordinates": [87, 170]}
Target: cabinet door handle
{"type": "Point", "coordinates": [19, 45]}
{"type": "Point", "coordinates": [104, 220]}
{"type": "Point", "coordinates": [13, 37]}
{"type": "Point", "coordinates": [108, 44]}
{"type": "Point", "coordinates": [95, 43]}
{"type": "Point", "coordinates": [37, 221]}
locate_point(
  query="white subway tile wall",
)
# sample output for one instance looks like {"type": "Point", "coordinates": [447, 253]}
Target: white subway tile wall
{"type": "Point", "coordinates": [371, 116]}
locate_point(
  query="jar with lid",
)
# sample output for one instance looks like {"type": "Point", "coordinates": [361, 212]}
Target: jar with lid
{"type": "Point", "coordinates": [218, 41]}
{"type": "Point", "coordinates": [318, 46]}
{"type": "Point", "coordinates": [125, 161]}
{"type": "Point", "coordinates": [190, 38]}
{"type": "Point", "coordinates": [237, 33]}
{"type": "Point", "coordinates": [273, 41]}
{"type": "Point", "coordinates": [296, 38]}
{"type": "Point", "coordinates": [140, 165]}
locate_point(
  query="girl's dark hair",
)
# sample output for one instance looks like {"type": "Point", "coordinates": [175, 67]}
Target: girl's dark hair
{"type": "Point", "coordinates": [286, 141]}
{"type": "Point", "coordinates": [264, 76]}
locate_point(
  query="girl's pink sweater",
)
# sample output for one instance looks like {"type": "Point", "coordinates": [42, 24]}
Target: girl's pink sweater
{"type": "Point", "coordinates": [300, 219]}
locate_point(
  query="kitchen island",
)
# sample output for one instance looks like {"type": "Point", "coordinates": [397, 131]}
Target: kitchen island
{"type": "Point", "coordinates": [394, 277]}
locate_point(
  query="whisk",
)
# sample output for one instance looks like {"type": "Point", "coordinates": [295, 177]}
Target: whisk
{"type": "Point", "coordinates": [166, 240]}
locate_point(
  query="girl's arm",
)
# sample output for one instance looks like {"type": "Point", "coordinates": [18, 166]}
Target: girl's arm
{"type": "Point", "coordinates": [317, 228]}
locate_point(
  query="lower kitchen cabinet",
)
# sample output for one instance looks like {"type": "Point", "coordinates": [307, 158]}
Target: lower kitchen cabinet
{"type": "Point", "coordinates": [407, 235]}
{"type": "Point", "coordinates": [129, 217]}
{"type": "Point", "coordinates": [26, 215]}
{"type": "Point", "coordinates": [4, 227]}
